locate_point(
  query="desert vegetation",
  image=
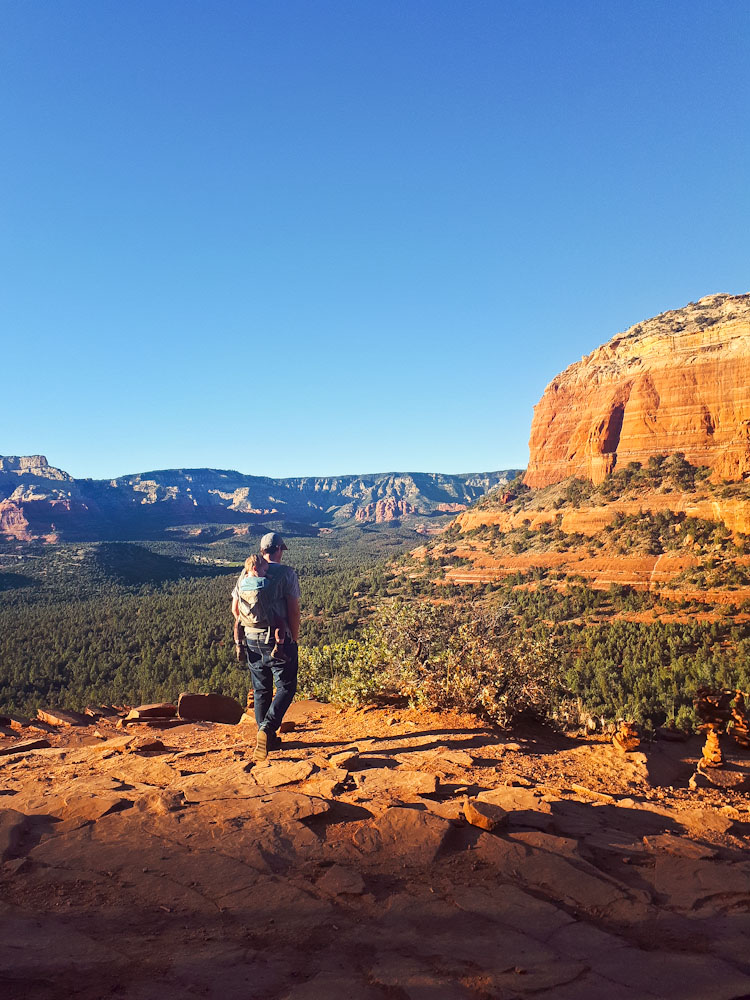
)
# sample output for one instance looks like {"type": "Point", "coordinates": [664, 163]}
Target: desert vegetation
{"type": "Point", "coordinates": [385, 617]}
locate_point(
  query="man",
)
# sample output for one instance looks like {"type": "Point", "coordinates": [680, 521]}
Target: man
{"type": "Point", "coordinates": [280, 602]}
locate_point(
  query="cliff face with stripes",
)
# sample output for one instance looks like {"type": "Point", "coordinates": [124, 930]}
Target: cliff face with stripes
{"type": "Point", "coordinates": [678, 382]}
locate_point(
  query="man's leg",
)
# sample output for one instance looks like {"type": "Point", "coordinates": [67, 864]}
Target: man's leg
{"type": "Point", "coordinates": [285, 677]}
{"type": "Point", "coordinates": [262, 679]}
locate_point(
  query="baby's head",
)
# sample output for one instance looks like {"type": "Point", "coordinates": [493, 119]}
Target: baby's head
{"type": "Point", "coordinates": [256, 565]}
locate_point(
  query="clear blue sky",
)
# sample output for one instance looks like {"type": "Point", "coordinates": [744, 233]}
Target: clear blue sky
{"type": "Point", "coordinates": [384, 225]}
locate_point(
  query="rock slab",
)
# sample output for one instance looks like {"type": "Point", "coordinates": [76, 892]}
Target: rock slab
{"type": "Point", "coordinates": [209, 708]}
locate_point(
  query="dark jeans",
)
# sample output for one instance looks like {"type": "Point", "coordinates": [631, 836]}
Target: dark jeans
{"type": "Point", "coordinates": [265, 672]}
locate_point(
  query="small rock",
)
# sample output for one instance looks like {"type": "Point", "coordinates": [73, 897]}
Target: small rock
{"type": "Point", "coordinates": [524, 807]}
{"type": "Point", "coordinates": [288, 726]}
{"type": "Point", "coordinates": [585, 790]}
{"type": "Point", "coordinates": [328, 784]}
{"type": "Point", "coordinates": [145, 744]}
{"type": "Point", "coordinates": [18, 722]}
{"type": "Point", "coordinates": [162, 802]}
{"type": "Point", "coordinates": [458, 757]}
{"type": "Point", "coordinates": [517, 781]}
{"type": "Point", "coordinates": [486, 815]}
{"type": "Point", "coordinates": [344, 758]}
{"type": "Point", "coordinates": [116, 745]}
{"type": "Point", "coordinates": [341, 881]}
{"type": "Point", "coordinates": [17, 866]}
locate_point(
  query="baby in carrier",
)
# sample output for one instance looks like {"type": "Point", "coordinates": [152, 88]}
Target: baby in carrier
{"type": "Point", "coordinates": [257, 566]}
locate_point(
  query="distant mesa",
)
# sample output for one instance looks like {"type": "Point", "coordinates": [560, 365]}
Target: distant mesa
{"type": "Point", "coordinates": [40, 502]}
{"type": "Point", "coordinates": [678, 382]}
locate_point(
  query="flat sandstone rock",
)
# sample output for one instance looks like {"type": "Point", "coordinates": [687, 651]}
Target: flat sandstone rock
{"type": "Point", "coordinates": [62, 717]}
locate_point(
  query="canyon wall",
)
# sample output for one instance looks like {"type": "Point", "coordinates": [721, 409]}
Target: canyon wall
{"type": "Point", "coordinates": [678, 382]}
{"type": "Point", "coordinates": [37, 500]}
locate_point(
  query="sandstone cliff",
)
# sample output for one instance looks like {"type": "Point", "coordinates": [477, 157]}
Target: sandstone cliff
{"type": "Point", "coordinates": [36, 499]}
{"type": "Point", "coordinates": [679, 382]}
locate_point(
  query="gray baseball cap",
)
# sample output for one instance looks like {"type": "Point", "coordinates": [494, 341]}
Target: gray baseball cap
{"type": "Point", "coordinates": [272, 540]}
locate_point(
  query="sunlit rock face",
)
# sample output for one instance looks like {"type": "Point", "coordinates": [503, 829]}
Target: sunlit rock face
{"type": "Point", "coordinates": [678, 382]}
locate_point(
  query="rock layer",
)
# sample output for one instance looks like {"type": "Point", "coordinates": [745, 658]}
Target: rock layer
{"type": "Point", "coordinates": [678, 382]}
{"type": "Point", "coordinates": [38, 500]}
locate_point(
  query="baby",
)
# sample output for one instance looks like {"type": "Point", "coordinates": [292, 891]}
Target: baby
{"type": "Point", "coordinates": [256, 565]}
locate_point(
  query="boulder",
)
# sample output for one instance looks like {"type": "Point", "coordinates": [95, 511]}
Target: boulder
{"type": "Point", "coordinates": [62, 717]}
{"type": "Point", "coordinates": [344, 759]}
{"type": "Point", "coordinates": [101, 712]}
{"type": "Point", "coordinates": [24, 747]}
{"type": "Point", "coordinates": [524, 806]}
{"type": "Point", "coordinates": [160, 710]}
{"type": "Point", "coordinates": [146, 744]}
{"type": "Point", "coordinates": [486, 815]}
{"type": "Point", "coordinates": [209, 708]}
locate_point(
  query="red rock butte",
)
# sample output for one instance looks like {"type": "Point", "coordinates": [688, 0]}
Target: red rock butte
{"type": "Point", "coordinates": [678, 382]}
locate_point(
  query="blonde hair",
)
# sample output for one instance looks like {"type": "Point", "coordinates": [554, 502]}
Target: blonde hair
{"type": "Point", "coordinates": [256, 565]}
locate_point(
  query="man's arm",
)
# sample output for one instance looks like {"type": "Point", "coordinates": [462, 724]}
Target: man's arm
{"type": "Point", "coordinates": [293, 616]}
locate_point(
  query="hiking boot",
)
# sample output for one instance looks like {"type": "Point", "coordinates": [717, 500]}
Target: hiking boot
{"type": "Point", "coordinates": [261, 746]}
{"type": "Point", "coordinates": [274, 741]}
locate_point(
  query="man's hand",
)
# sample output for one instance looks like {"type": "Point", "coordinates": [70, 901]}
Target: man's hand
{"type": "Point", "coordinates": [293, 616]}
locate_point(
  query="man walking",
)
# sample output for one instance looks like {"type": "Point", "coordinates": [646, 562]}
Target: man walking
{"type": "Point", "coordinates": [264, 605]}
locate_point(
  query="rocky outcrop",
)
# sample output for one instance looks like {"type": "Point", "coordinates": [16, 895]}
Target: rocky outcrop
{"type": "Point", "coordinates": [32, 465]}
{"type": "Point", "coordinates": [591, 518]}
{"type": "Point", "coordinates": [389, 509]}
{"type": "Point", "coordinates": [35, 496]}
{"type": "Point", "coordinates": [13, 522]}
{"type": "Point", "coordinates": [679, 382]}
{"type": "Point", "coordinates": [135, 867]}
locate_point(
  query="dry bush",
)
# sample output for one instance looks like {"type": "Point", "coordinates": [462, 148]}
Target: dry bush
{"type": "Point", "coordinates": [465, 656]}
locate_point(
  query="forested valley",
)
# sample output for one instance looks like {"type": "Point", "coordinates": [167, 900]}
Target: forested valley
{"type": "Point", "coordinates": [126, 623]}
